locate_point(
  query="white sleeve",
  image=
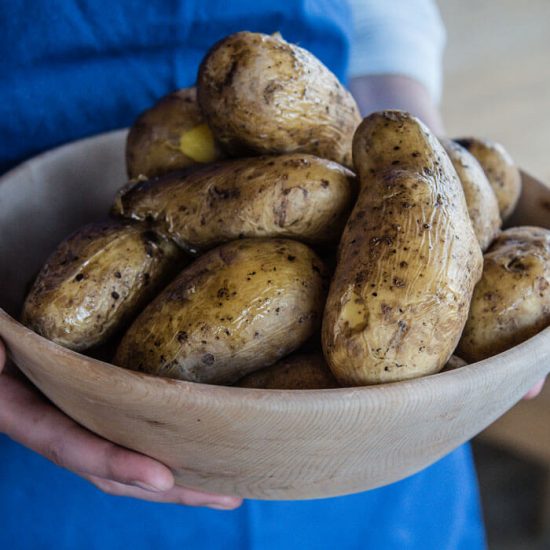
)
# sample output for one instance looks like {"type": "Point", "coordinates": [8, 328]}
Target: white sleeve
{"type": "Point", "coordinates": [398, 37]}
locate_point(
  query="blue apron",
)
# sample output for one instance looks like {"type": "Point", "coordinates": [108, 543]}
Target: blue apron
{"type": "Point", "coordinates": [71, 69]}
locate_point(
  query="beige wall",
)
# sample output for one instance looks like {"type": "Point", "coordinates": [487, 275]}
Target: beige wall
{"type": "Point", "coordinates": [497, 75]}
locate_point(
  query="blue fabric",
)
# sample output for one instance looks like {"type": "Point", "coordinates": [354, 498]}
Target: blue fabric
{"type": "Point", "coordinates": [45, 507]}
{"type": "Point", "coordinates": [75, 68]}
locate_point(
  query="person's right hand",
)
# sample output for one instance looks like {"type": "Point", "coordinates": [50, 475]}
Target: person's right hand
{"type": "Point", "coordinates": [30, 419]}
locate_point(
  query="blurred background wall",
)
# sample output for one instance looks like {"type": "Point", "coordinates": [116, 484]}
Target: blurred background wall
{"type": "Point", "coordinates": [497, 69]}
{"type": "Point", "coordinates": [497, 84]}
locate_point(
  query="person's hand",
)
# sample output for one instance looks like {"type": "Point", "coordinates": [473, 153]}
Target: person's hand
{"type": "Point", "coordinates": [534, 391]}
{"type": "Point", "coordinates": [28, 418]}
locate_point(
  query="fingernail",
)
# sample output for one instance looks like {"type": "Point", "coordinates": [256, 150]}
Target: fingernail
{"type": "Point", "coordinates": [147, 487]}
{"type": "Point", "coordinates": [228, 504]}
{"type": "Point", "coordinates": [218, 506]}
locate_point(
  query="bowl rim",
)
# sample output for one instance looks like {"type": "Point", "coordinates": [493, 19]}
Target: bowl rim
{"type": "Point", "coordinates": [59, 149]}
{"type": "Point", "coordinates": [452, 378]}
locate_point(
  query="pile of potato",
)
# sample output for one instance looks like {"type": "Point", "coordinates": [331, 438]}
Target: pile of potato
{"type": "Point", "coordinates": [269, 238]}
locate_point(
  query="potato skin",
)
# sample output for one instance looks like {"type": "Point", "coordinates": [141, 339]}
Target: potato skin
{"type": "Point", "coordinates": [501, 171]}
{"type": "Point", "coordinates": [480, 198]}
{"type": "Point", "coordinates": [237, 308]}
{"type": "Point", "coordinates": [96, 280]}
{"type": "Point", "coordinates": [511, 302]}
{"type": "Point", "coordinates": [408, 259]}
{"type": "Point", "coordinates": [262, 95]}
{"type": "Point", "coordinates": [306, 371]}
{"type": "Point", "coordinates": [454, 363]}
{"type": "Point", "coordinates": [297, 196]}
{"type": "Point", "coordinates": [153, 146]}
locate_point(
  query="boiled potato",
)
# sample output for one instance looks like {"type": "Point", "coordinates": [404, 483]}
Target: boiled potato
{"type": "Point", "coordinates": [297, 195]}
{"type": "Point", "coordinates": [96, 280]}
{"type": "Point", "coordinates": [480, 197]}
{"type": "Point", "coordinates": [262, 95]}
{"type": "Point", "coordinates": [170, 136]}
{"type": "Point", "coordinates": [237, 308]}
{"type": "Point", "coordinates": [408, 259]}
{"type": "Point", "coordinates": [306, 371]}
{"type": "Point", "coordinates": [502, 173]}
{"type": "Point", "coordinates": [511, 303]}
{"type": "Point", "coordinates": [454, 363]}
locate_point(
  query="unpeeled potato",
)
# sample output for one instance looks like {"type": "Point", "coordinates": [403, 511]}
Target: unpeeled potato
{"type": "Point", "coordinates": [297, 196]}
{"type": "Point", "coordinates": [511, 302]}
{"type": "Point", "coordinates": [171, 135]}
{"type": "Point", "coordinates": [408, 259]}
{"type": "Point", "coordinates": [500, 169]}
{"type": "Point", "coordinates": [96, 280]}
{"type": "Point", "coordinates": [238, 308]}
{"type": "Point", "coordinates": [262, 95]}
{"type": "Point", "coordinates": [480, 198]}
{"type": "Point", "coordinates": [306, 371]}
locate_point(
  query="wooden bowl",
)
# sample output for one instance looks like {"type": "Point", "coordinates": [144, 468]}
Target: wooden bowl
{"type": "Point", "coordinates": [267, 444]}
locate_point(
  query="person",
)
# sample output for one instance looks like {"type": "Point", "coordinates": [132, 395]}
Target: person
{"type": "Point", "coordinates": [72, 69]}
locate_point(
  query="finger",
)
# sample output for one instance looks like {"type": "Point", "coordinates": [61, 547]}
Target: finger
{"type": "Point", "coordinates": [177, 495]}
{"type": "Point", "coordinates": [534, 391]}
{"type": "Point", "coordinates": [30, 419]}
{"type": "Point", "coordinates": [2, 356]}
{"type": "Point", "coordinates": [35, 423]}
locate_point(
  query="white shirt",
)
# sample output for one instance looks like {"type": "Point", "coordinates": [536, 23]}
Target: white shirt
{"type": "Point", "coordinates": [398, 37]}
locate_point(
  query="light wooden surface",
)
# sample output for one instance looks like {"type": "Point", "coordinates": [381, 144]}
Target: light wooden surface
{"type": "Point", "coordinates": [265, 444]}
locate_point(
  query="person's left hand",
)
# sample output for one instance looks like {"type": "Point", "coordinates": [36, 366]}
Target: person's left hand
{"type": "Point", "coordinates": [535, 390]}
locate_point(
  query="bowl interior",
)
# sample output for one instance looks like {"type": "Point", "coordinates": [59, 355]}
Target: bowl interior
{"type": "Point", "coordinates": [43, 200]}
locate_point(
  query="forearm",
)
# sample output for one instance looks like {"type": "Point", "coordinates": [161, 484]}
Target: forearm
{"type": "Point", "coordinates": [379, 92]}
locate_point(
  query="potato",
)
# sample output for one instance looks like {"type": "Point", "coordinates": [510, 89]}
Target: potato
{"type": "Point", "coordinates": [262, 95]}
{"type": "Point", "coordinates": [502, 173]}
{"type": "Point", "coordinates": [96, 280]}
{"type": "Point", "coordinates": [511, 303]}
{"type": "Point", "coordinates": [408, 259]}
{"type": "Point", "coordinates": [298, 196]}
{"type": "Point", "coordinates": [297, 372]}
{"type": "Point", "coordinates": [480, 197]}
{"type": "Point", "coordinates": [170, 136]}
{"type": "Point", "coordinates": [236, 309]}
{"type": "Point", "coordinates": [454, 363]}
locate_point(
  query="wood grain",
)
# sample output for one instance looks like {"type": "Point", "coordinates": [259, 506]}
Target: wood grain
{"type": "Point", "coordinates": [267, 444]}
